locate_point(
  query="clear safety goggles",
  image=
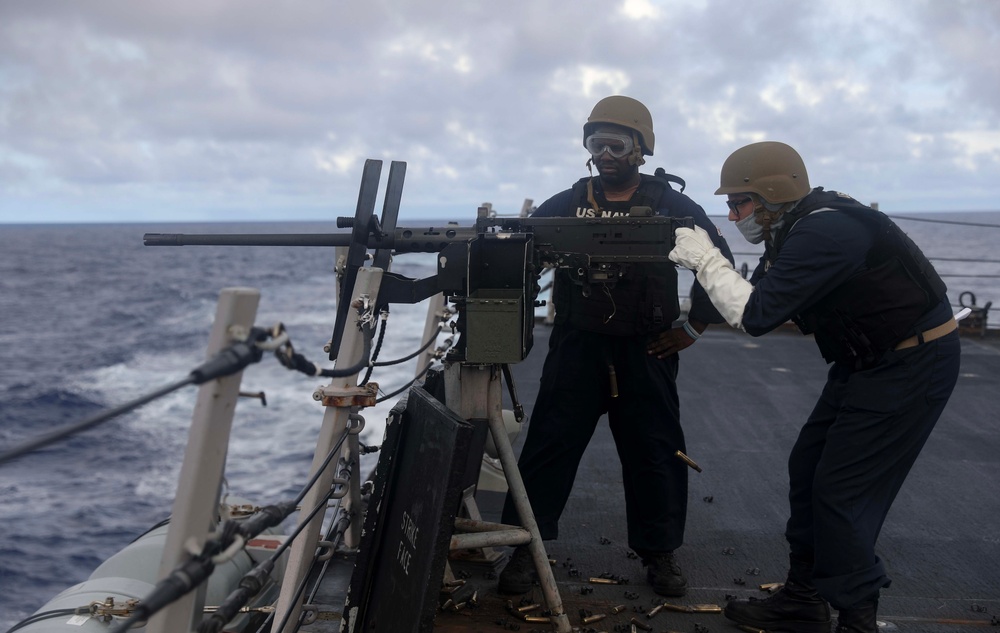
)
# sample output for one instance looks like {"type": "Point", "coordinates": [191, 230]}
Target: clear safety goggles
{"type": "Point", "coordinates": [617, 145]}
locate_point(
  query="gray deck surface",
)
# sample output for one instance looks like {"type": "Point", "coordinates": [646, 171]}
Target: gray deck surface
{"type": "Point", "coordinates": [743, 400]}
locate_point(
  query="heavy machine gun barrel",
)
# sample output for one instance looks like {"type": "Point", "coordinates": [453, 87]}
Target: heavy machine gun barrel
{"type": "Point", "coordinates": [404, 240]}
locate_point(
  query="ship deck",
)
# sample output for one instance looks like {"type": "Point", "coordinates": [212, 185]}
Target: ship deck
{"type": "Point", "coordinates": [743, 400]}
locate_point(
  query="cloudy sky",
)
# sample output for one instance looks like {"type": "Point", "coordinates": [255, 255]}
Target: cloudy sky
{"type": "Point", "coordinates": [117, 110]}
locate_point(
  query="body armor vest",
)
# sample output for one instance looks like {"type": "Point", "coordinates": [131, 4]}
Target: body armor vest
{"type": "Point", "coordinates": [643, 300]}
{"type": "Point", "coordinates": [876, 308]}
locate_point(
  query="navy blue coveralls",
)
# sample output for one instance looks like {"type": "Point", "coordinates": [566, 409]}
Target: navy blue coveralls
{"type": "Point", "coordinates": [644, 419]}
{"type": "Point", "coordinates": [869, 425]}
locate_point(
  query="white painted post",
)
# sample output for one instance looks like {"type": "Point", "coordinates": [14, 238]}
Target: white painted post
{"type": "Point", "coordinates": [335, 422]}
{"type": "Point", "coordinates": [435, 308]}
{"type": "Point", "coordinates": [200, 479]}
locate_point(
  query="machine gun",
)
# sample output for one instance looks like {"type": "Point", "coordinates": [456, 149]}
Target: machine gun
{"type": "Point", "coordinates": [489, 270]}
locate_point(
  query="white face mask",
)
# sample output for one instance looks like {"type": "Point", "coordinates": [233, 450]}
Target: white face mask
{"type": "Point", "coordinates": [753, 232]}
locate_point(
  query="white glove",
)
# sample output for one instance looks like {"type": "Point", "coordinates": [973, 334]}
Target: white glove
{"type": "Point", "coordinates": [727, 289]}
{"type": "Point", "coordinates": [690, 247]}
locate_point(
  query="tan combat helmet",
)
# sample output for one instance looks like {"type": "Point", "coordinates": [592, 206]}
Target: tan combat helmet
{"type": "Point", "coordinates": [772, 170]}
{"type": "Point", "coordinates": [624, 111]}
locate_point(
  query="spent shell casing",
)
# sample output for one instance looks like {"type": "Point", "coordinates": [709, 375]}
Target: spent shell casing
{"type": "Point", "coordinates": [655, 610]}
{"type": "Point", "coordinates": [590, 619]}
{"type": "Point", "coordinates": [640, 625]}
{"type": "Point", "coordinates": [676, 607]}
{"type": "Point", "coordinates": [706, 608]}
{"type": "Point", "coordinates": [603, 581]}
{"type": "Point", "coordinates": [771, 586]}
{"type": "Point", "coordinates": [615, 610]}
{"type": "Point", "coordinates": [528, 608]}
{"type": "Point", "coordinates": [687, 460]}
{"type": "Point", "coordinates": [536, 618]}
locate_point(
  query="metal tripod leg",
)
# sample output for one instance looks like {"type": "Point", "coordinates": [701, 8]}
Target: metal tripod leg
{"type": "Point", "coordinates": [478, 395]}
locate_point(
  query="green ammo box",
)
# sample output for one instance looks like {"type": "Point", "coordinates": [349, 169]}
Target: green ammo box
{"type": "Point", "coordinates": [495, 326]}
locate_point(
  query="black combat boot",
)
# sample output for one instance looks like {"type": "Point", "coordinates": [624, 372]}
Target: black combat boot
{"type": "Point", "coordinates": [795, 608]}
{"type": "Point", "coordinates": [666, 577]}
{"type": "Point", "coordinates": [519, 573]}
{"type": "Point", "coordinates": [860, 619]}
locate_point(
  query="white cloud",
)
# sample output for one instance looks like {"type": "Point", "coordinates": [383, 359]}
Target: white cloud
{"type": "Point", "coordinates": [980, 151]}
{"type": "Point", "coordinates": [213, 106]}
{"type": "Point", "coordinates": [640, 10]}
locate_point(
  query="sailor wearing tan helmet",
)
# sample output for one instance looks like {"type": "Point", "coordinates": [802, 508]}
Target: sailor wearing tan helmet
{"type": "Point", "coordinates": [879, 313]}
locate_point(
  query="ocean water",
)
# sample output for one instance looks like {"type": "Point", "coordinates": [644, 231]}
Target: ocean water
{"type": "Point", "coordinates": [90, 318]}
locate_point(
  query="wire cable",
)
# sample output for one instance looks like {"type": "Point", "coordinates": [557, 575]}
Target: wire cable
{"type": "Point", "coordinates": [78, 427]}
{"type": "Point", "coordinates": [38, 617]}
{"type": "Point", "coordinates": [228, 360]}
{"type": "Point", "coordinates": [430, 341]}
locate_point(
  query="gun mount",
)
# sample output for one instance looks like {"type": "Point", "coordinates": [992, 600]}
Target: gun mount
{"type": "Point", "coordinates": [489, 270]}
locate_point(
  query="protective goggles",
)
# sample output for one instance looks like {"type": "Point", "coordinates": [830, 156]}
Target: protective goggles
{"type": "Point", "coordinates": [617, 145]}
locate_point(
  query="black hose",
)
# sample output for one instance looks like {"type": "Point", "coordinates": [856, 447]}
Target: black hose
{"type": "Point", "coordinates": [38, 617]}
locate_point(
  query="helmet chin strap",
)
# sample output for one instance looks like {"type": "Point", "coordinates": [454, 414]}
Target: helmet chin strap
{"type": "Point", "coordinates": [635, 158]}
